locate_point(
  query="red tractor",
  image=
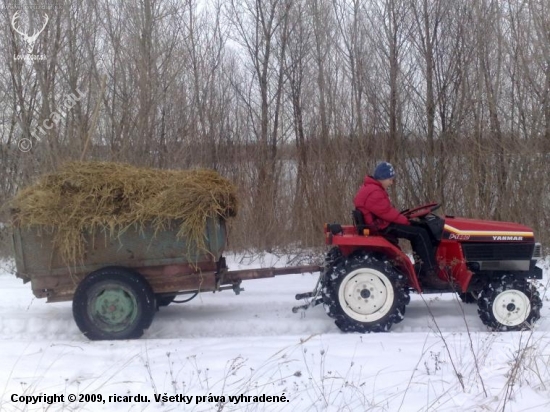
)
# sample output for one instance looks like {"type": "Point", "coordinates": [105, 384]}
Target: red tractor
{"type": "Point", "coordinates": [367, 278]}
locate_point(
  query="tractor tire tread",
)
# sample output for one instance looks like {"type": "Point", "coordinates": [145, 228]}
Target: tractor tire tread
{"type": "Point", "coordinates": [336, 272]}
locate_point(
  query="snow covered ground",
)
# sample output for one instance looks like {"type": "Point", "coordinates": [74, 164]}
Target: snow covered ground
{"type": "Point", "coordinates": [253, 345]}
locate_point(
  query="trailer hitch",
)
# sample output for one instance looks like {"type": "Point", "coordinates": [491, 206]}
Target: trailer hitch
{"type": "Point", "coordinates": [314, 296]}
{"type": "Point", "coordinates": [313, 302]}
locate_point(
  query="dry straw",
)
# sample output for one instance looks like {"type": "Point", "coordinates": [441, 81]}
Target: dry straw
{"type": "Point", "coordinates": [84, 197]}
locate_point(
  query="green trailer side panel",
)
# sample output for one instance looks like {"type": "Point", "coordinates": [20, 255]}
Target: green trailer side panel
{"type": "Point", "coordinates": [35, 255]}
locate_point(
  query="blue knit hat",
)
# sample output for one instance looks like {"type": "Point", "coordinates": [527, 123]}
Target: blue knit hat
{"type": "Point", "coordinates": [384, 171]}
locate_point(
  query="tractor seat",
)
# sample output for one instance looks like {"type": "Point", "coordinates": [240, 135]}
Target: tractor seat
{"type": "Point", "coordinates": [359, 222]}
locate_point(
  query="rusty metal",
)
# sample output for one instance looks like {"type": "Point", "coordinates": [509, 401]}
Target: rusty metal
{"type": "Point", "coordinates": [180, 278]}
{"type": "Point", "coordinates": [245, 274]}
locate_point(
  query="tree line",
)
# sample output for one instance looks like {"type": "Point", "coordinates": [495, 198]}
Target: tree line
{"type": "Point", "coordinates": [293, 100]}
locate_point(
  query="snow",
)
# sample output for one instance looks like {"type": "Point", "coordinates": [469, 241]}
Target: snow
{"type": "Point", "coordinates": [252, 344]}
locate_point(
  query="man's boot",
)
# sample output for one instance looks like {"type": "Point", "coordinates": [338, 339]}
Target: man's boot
{"type": "Point", "coordinates": [430, 280]}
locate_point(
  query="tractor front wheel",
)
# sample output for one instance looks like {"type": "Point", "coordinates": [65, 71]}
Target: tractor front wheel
{"type": "Point", "coordinates": [365, 294]}
{"type": "Point", "coordinates": [509, 305]}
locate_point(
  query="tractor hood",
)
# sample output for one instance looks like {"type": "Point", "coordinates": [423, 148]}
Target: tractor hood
{"type": "Point", "coordinates": [474, 230]}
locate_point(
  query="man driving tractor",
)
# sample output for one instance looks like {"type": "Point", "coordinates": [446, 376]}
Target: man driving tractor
{"type": "Point", "coordinates": [373, 201]}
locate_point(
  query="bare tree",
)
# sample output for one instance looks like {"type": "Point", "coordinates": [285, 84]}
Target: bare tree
{"type": "Point", "coordinates": [293, 100]}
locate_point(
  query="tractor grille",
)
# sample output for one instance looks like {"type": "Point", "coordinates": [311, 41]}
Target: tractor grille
{"type": "Point", "coordinates": [497, 251]}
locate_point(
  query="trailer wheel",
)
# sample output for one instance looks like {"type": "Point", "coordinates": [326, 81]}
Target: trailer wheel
{"type": "Point", "coordinates": [365, 294]}
{"type": "Point", "coordinates": [113, 303]}
{"type": "Point", "coordinates": [509, 305]}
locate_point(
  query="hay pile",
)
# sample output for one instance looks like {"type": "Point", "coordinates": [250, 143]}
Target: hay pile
{"type": "Point", "coordinates": [90, 196]}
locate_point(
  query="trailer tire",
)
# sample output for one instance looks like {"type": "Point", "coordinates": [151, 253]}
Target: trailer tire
{"type": "Point", "coordinates": [113, 303]}
{"type": "Point", "coordinates": [509, 304]}
{"type": "Point", "coordinates": [364, 293]}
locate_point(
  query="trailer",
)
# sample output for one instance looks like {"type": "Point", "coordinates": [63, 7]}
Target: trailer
{"type": "Point", "coordinates": [120, 281]}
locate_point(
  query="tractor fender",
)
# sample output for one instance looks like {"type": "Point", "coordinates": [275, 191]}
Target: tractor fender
{"type": "Point", "coordinates": [378, 244]}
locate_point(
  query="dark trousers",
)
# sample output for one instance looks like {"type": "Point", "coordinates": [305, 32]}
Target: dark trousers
{"type": "Point", "coordinates": [420, 242]}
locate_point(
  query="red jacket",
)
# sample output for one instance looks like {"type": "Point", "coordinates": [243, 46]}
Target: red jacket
{"type": "Point", "coordinates": [373, 200]}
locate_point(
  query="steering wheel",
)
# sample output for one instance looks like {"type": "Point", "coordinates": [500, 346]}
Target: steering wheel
{"type": "Point", "coordinates": [420, 211]}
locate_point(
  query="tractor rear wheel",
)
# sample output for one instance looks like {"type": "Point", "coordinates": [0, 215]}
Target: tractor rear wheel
{"type": "Point", "coordinates": [509, 304]}
{"type": "Point", "coordinates": [365, 294]}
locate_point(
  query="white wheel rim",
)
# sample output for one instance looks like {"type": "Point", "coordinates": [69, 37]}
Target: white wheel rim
{"type": "Point", "coordinates": [366, 295]}
{"type": "Point", "coordinates": [511, 307]}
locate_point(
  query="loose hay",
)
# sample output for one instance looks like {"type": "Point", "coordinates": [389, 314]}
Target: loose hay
{"type": "Point", "coordinates": [84, 197]}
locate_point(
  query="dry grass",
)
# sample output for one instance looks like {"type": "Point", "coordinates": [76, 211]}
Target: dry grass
{"type": "Point", "coordinates": [84, 197]}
